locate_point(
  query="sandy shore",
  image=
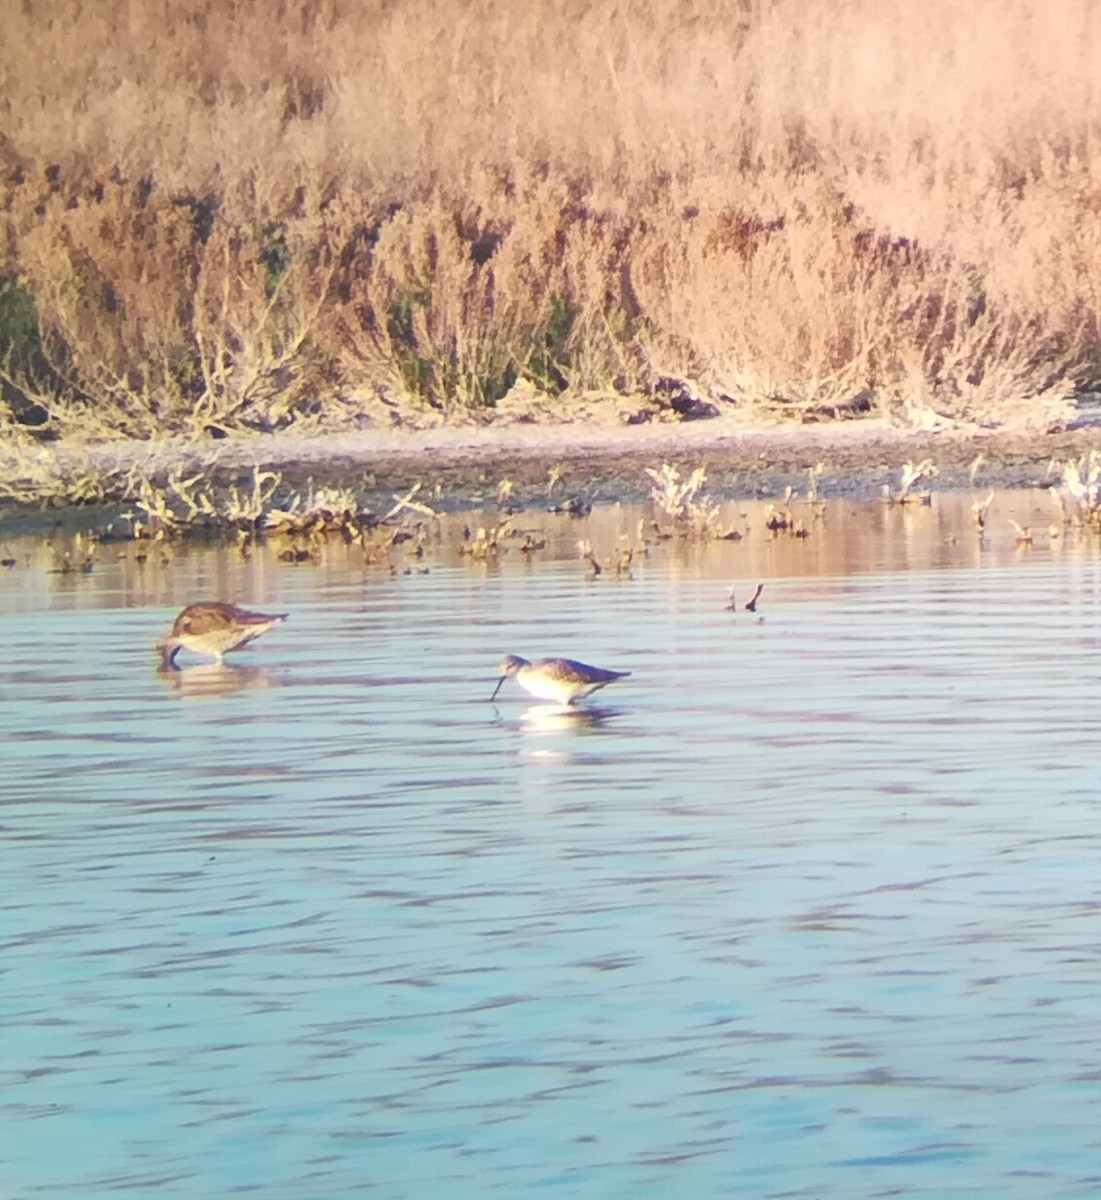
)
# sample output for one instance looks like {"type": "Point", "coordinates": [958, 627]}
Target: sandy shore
{"type": "Point", "coordinates": [461, 466]}
{"type": "Point", "coordinates": [741, 459]}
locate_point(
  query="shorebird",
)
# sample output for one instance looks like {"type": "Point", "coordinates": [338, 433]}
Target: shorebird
{"type": "Point", "coordinates": [214, 628]}
{"type": "Point", "coordinates": [560, 679]}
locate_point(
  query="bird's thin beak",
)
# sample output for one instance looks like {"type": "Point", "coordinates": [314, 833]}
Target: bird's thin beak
{"type": "Point", "coordinates": [497, 688]}
{"type": "Point", "coordinates": [168, 650]}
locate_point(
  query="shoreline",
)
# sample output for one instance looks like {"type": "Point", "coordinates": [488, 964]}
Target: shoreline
{"type": "Point", "coordinates": [742, 458]}
{"type": "Point", "coordinates": [461, 466]}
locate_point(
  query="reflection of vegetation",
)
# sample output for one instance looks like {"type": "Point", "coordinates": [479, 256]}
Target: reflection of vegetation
{"type": "Point", "coordinates": [156, 515]}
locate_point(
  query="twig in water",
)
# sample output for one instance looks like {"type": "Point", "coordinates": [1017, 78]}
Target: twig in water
{"type": "Point", "coordinates": [751, 603]}
{"type": "Point", "coordinates": [979, 508]}
{"type": "Point", "coordinates": [1024, 534]}
{"type": "Point", "coordinates": [587, 555]}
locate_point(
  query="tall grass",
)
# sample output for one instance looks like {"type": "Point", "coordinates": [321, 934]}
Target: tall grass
{"type": "Point", "coordinates": [251, 215]}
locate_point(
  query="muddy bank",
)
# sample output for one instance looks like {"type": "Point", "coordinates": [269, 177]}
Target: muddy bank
{"type": "Point", "coordinates": [461, 467]}
{"type": "Point", "coordinates": [609, 463]}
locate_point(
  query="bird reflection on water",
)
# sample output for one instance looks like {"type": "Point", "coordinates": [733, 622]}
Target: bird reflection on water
{"type": "Point", "coordinates": [555, 718]}
{"type": "Point", "coordinates": [209, 680]}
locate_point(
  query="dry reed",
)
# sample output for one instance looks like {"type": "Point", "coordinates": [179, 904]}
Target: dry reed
{"type": "Point", "coordinates": [227, 217]}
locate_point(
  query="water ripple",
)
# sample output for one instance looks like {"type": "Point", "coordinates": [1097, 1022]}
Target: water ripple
{"type": "Point", "coordinates": [807, 909]}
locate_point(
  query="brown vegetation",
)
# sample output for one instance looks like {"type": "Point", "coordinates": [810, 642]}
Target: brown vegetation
{"type": "Point", "coordinates": [249, 216]}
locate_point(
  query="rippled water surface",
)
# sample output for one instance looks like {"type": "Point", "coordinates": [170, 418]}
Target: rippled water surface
{"type": "Point", "coordinates": [806, 907]}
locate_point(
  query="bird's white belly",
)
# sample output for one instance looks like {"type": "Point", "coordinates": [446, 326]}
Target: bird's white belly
{"type": "Point", "coordinates": [546, 688]}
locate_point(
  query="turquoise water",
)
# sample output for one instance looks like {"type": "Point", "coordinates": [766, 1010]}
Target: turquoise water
{"type": "Point", "coordinates": [807, 907]}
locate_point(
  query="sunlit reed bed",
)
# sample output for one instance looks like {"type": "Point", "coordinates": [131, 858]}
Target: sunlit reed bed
{"type": "Point", "coordinates": [216, 221]}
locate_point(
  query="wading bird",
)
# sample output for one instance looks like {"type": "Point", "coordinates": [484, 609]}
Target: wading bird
{"type": "Point", "coordinates": [214, 628]}
{"type": "Point", "coordinates": [559, 679]}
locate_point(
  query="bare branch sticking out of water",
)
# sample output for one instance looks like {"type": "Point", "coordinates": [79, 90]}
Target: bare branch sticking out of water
{"type": "Point", "coordinates": [555, 476]}
{"type": "Point", "coordinates": [681, 499]}
{"type": "Point", "coordinates": [407, 501]}
{"type": "Point", "coordinates": [673, 495]}
{"type": "Point", "coordinates": [1079, 491]}
{"type": "Point", "coordinates": [750, 605]}
{"type": "Point", "coordinates": [587, 555]}
{"type": "Point", "coordinates": [813, 475]}
{"type": "Point", "coordinates": [1023, 532]}
{"type": "Point", "coordinates": [913, 473]}
{"type": "Point", "coordinates": [980, 508]}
